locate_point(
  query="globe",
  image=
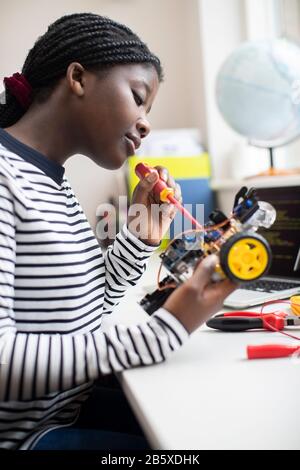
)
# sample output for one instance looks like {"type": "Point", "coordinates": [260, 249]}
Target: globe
{"type": "Point", "coordinates": [258, 91]}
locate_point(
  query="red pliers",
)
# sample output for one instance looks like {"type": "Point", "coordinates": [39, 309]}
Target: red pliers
{"type": "Point", "coordinates": [241, 321]}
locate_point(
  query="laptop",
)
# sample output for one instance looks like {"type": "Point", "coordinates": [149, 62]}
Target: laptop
{"type": "Point", "coordinates": [283, 279]}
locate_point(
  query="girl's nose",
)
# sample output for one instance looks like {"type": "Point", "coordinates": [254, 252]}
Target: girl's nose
{"type": "Point", "coordinates": [143, 127]}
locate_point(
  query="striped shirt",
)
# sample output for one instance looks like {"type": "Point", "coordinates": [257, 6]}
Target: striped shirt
{"type": "Point", "coordinates": [55, 287]}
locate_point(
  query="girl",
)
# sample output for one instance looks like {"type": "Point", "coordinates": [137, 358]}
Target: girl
{"type": "Point", "coordinates": [86, 87]}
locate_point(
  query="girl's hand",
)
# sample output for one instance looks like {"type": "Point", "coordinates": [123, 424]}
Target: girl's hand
{"type": "Point", "coordinates": [198, 298]}
{"type": "Point", "coordinates": [149, 218]}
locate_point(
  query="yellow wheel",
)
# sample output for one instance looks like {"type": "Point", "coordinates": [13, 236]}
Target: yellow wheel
{"type": "Point", "coordinates": [245, 257]}
{"type": "Point", "coordinates": [295, 304]}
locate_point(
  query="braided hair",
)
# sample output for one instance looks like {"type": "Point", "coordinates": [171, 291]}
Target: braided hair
{"type": "Point", "coordinates": [96, 42]}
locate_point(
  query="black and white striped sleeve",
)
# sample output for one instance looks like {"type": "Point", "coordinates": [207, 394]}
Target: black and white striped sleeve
{"type": "Point", "coordinates": [125, 262]}
{"type": "Point", "coordinates": [33, 365]}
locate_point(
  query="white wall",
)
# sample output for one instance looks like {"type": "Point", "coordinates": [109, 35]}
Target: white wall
{"type": "Point", "coordinates": [221, 29]}
{"type": "Point", "coordinates": [223, 26]}
{"type": "Point", "coordinates": [192, 38]}
{"type": "Point", "coordinates": [169, 27]}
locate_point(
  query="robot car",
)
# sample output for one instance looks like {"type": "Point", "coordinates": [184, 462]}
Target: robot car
{"type": "Point", "coordinates": [244, 255]}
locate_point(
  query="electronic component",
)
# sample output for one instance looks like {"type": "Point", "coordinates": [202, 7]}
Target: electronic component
{"type": "Point", "coordinates": [244, 255]}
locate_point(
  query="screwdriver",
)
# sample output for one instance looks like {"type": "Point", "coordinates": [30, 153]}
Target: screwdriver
{"type": "Point", "coordinates": [265, 351]}
{"type": "Point", "coordinates": [165, 193]}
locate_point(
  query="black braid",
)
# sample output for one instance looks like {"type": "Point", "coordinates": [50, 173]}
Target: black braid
{"type": "Point", "coordinates": [96, 42]}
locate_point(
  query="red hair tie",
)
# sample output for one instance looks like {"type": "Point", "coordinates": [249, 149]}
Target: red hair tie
{"type": "Point", "coordinates": [20, 88]}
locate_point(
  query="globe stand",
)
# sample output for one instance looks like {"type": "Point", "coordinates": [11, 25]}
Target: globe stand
{"type": "Point", "coordinates": [272, 171]}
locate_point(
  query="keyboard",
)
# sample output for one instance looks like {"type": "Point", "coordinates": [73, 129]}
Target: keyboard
{"type": "Point", "coordinates": [271, 286]}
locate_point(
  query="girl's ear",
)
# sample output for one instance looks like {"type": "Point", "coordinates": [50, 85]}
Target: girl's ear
{"type": "Point", "coordinates": [75, 79]}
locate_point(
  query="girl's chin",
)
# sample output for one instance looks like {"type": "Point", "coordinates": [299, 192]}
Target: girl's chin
{"type": "Point", "coordinates": [116, 162]}
{"type": "Point", "coordinates": [112, 161]}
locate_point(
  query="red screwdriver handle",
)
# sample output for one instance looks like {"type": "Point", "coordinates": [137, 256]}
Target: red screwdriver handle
{"type": "Point", "coordinates": [164, 193]}
{"type": "Point", "coordinates": [265, 351]}
{"type": "Point", "coordinates": [160, 189]}
{"type": "Point", "coordinates": [142, 170]}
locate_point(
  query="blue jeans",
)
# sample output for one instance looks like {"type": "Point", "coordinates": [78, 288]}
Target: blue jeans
{"type": "Point", "coordinates": [106, 422]}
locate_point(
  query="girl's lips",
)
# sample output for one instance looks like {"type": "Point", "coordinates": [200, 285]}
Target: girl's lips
{"type": "Point", "coordinates": [129, 146]}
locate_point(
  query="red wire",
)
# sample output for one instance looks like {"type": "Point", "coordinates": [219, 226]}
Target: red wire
{"type": "Point", "coordinates": [270, 302]}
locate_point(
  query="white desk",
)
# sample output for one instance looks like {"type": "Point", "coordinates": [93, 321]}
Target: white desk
{"type": "Point", "coordinates": [209, 396]}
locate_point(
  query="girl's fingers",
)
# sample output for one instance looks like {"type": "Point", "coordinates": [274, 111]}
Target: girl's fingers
{"type": "Point", "coordinates": [169, 180]}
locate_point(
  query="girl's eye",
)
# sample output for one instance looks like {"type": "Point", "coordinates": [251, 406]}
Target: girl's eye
{"type": "Point", "coordinates": [137, 98]}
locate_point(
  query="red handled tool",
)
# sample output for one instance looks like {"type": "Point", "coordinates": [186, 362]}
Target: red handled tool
{"type": "Point", "coordinates": [165, 193]}
{"type": "Point", "coordinates": [274, 321]}
{"type": "Point", "coordinates": [266, 351]}
{"type": "Point", "coordinates": [242, 321]}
